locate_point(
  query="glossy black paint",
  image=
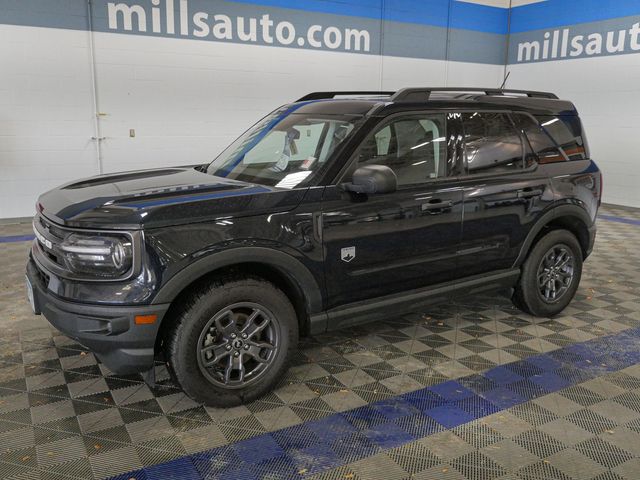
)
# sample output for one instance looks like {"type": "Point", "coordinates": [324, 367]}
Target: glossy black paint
{"type": "Point", "coordinates": [159, 198]}
{"type": "Point", "coordinates": [403, 240]}
{"type": "Point", "coordinates": [434, 235]}
{"type": "Point", "coordinates": [499, 212]}
{"type": "Point", "coordinates": [109, 331]}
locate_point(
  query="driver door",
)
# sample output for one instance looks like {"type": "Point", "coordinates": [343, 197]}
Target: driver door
{"type": "Point", "coordinates": [380, 245]}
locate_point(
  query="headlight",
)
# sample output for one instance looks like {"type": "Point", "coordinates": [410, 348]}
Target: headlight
{"type": "Point", "coordinates": [104, 256]}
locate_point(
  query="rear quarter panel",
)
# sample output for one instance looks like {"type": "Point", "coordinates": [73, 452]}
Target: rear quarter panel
{"type": "Point", "coordinates": [576, 182]}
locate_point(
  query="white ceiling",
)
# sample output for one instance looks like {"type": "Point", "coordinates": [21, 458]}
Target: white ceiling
{"type": "Point", "coordinates": [503, 3]}
{"type": "Point", "coordinates": [517, 3]}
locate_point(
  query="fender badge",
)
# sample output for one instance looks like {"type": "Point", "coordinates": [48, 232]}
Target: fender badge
{"type": "Point", "coordinates": [347, 254]}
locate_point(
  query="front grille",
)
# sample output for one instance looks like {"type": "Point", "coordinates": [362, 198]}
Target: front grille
{"type": "Point", "coordinates": [49, 237]}
{"type": "Point", "coordinates": [42, 277]}
{"type": "Point", "coordinates": [52, 229]}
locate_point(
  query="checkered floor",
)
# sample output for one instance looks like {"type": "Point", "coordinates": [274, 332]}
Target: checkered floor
{"type": "Point", "coordinates": [471, 390]}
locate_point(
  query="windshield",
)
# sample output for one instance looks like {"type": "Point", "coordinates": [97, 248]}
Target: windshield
{"type": "Point", "coordinates": [285, 149]}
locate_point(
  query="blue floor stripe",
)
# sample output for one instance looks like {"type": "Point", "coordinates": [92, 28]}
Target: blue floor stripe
{"type": "Point", "coordinates": [17, 238]}
{"type": "Point", "coordinates": [610, 218]}
{"type": "Point", "coordinates": [339, 439]}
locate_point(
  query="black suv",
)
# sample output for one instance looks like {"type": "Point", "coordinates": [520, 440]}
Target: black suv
{"type": "Point", "coordinates": [339, 208]}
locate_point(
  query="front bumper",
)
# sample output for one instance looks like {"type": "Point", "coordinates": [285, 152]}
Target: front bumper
{"type": "Point", "coordinates": [592, 240]}
{"type": "Point", "coordinates": [108, 331]}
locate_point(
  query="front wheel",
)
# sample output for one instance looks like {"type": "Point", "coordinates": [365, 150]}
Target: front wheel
{"type": "Point", "coordinates": [550, 275]}
{"type": "Point", "coordinates": [231, 341]}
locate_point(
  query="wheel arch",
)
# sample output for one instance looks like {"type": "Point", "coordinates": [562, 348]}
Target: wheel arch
{"type": "Point", "coordinates": [567, 217]}
{"type": "Point", "coordinates": [284, 271]}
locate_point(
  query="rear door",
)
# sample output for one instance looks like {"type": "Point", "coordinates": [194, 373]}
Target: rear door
{"type": "Point", "coordinates": [380, 244]}
{"type": "Point", "coordinates": [504, 192]}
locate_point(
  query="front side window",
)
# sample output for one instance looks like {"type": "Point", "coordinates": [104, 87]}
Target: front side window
{"type": "Point", "coordinates": [285, 149]}
{"type": "Point", "coordinates": [492, 143]}
{"type": "Point", "coordinates": [414, 147]}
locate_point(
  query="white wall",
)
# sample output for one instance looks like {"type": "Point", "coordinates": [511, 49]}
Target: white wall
{"type": "Point", "coordinates": [46, 113]}
{"type": "Point", "coordinates": [606, 91]}
{"type": "Point", "coordinates": [188, 99]}
{"type": "Point", "coordinates": [604, 84]}
{"type": "Point", "coordinates": [185, 99]}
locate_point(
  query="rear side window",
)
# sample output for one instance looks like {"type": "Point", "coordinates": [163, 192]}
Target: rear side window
{"type": "Point", "coordinates": [492, 143]}
{"type": "Point", "coordinates": [566, 130]}
{"type": "Point", "coordinates": [543, 147]}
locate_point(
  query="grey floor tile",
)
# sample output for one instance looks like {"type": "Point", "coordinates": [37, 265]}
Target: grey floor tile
{"type": "Point", "coordinates": [60, 451]}
{"type": "Point", "coordinates": [52, 411]}
{"type": "Point", "coordinates": [100, 420]}
{"type": "Point", "coordinates": [115, 462]}
{"type": "Point", "coordinates": [575, 465]}
{"type": "Point", "coordinates": [150, 429]}
{"type": "Point", "coordinates": [379, 467]}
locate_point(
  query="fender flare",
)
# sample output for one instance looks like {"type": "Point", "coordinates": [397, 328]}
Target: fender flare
{"type": "Point", "coordinates": [556, 212]}
{"type": "Point", "coordinates": [283, 262]}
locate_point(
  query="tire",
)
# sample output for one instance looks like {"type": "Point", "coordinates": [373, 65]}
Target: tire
{"type": "Point", "coordinates": [534, 294]}
{"type": "Point", "coordinates": [210, 325]}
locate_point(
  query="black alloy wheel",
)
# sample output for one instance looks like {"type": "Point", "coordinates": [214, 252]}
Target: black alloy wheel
{"type": "Point", "coordinates": [238, 344]}
{"type": "Point", "coordinates": [231, 339]}
{"type": "Point", "coordinates": [555, 273]}
{"type": "Point", "coordinates": [550, 275]}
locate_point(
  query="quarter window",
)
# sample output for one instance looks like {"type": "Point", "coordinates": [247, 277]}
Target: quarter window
{"type": "Point", "coordinates": [492, 143]}
{"type": "Point", "coordinates": [414, 147]}
{"type": "Point", "coordinates": [542, 145]}
{"type": "Point", "coordinates": [566, 130]}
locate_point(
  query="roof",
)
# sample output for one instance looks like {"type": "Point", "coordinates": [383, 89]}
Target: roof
{"type": "Point", "coordinates": [385, 103]}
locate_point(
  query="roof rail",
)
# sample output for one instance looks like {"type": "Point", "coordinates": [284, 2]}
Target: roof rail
{"type": "Point", "coordinates": [322, 95]}
{"type": "Point", "coordinates": [423, 94]}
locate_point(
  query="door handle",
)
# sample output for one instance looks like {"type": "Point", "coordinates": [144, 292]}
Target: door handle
{"type": "Point", "coordinates": [317, 226]}
{"type": "Point", "coordinates": [529, 192]}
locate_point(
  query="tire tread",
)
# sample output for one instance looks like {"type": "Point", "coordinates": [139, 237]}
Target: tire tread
{"type": "Point", "coordinates": [178, 365]}
{"type": "Point", "coordinates": [526, 296]}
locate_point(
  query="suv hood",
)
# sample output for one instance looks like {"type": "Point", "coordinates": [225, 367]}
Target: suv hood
{"type": "Point", "coordinates": [160, 197]}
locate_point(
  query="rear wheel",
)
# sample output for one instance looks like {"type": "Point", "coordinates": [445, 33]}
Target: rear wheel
{"type": "Point", "coordinates": [231, 341]}
{"type": "Point", "coordinates": [550, 275]}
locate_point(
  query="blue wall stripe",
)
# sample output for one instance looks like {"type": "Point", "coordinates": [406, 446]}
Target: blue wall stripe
{"type": "Point", "coordinates": [482, 18]}
{"type": "Point", "coordinates": [556, 13]}
{"type": "Point", "coordinates": [410, 29]}
{"type": "Point", "coordinates": [336, 440]}
{"type": "Point", "coordinates": [463, 15]}
{"type": "Point", "coordinates": [489, 24]}
{"type": "Point", "coordinates": [351, 8]}
{"type": "Point", "coordinates": [70, 14]}
{"type": "Point", "coordinates": [468, 16]}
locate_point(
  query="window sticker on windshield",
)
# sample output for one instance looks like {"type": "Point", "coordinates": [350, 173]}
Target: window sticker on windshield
{"type": "Point", "coordinates": [282, 163]}
{"type": "Point", "coordinates": [308, 163]}
{"type": "Point", "coordinates": [293, 179]}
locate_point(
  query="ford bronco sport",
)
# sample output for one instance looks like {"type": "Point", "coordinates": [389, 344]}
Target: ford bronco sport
{"type": "Point", "coordinates": [339, 208]}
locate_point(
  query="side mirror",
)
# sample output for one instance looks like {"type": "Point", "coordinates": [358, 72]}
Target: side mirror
{"type": "Point", "coordinates": [373, 179]}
